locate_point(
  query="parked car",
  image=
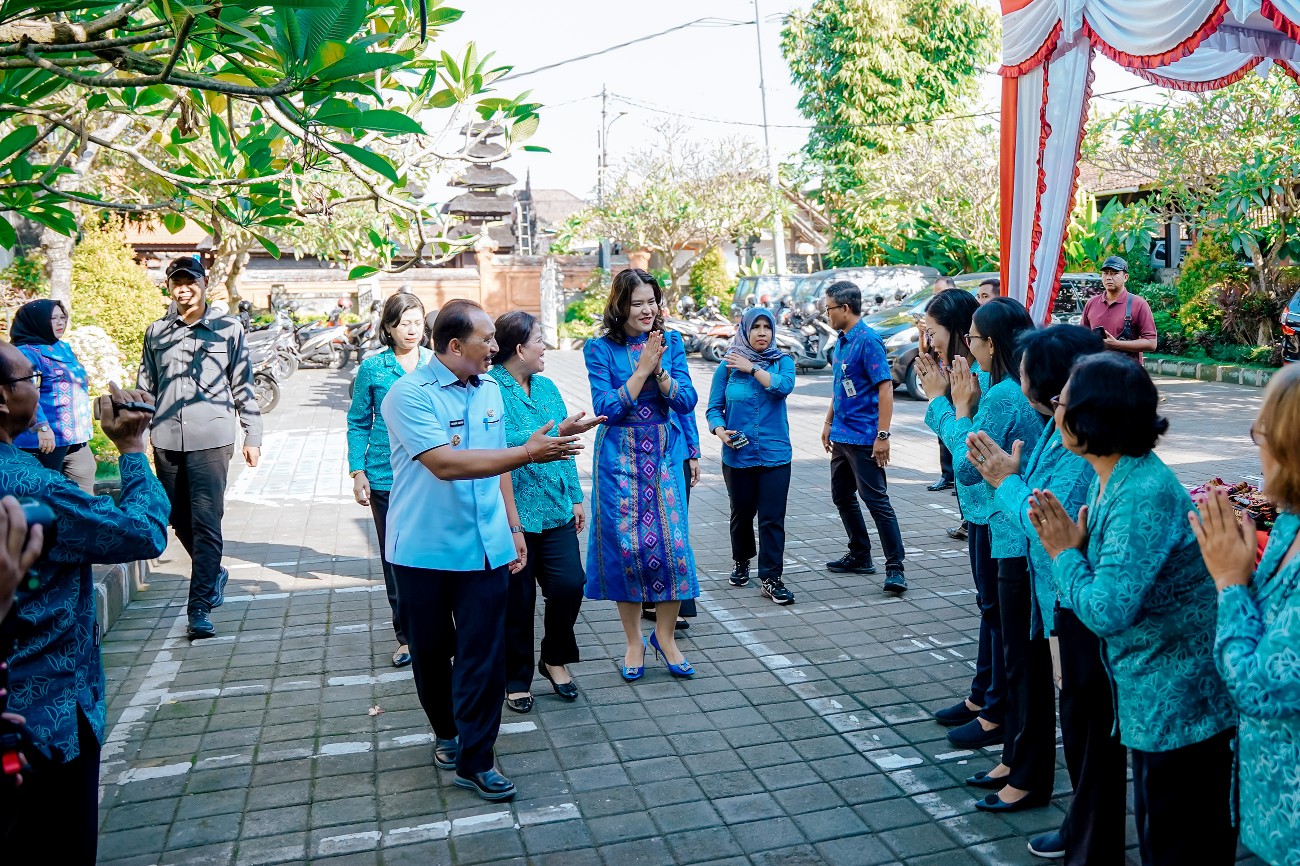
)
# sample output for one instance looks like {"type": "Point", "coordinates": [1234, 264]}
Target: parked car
{"type": "Point", "coordinates": [1290, 339]}
{"type": "Point", "coordinates": [900, 282]}
{"type": "Point", "coordinates": [767, 290]}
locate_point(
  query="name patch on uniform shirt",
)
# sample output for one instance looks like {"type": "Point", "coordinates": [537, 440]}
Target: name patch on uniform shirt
{"type": "Point", "coordinates": [459, 422]}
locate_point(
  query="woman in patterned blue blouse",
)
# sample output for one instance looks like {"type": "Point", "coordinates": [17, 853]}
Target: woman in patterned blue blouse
{"type": "Point", "coordinates": [1133, 574]}
{"type": "Point", "coordinates": [401, 329]}
{"type": "Point", "coordinates": [1258, 644]}
{"type": "Point", "coordinates": [549, 499]}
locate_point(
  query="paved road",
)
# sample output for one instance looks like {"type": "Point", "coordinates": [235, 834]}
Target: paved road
{"type": "Point", "coordinates": [804, 738]}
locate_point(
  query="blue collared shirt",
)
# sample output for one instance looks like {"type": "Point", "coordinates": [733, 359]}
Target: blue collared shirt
{"type": "Point", "coordinates": [861, 365]}
{"type": "Point", "coordinates": [445, 525]}
{"type": "Point", "coordinates": [738, 402]}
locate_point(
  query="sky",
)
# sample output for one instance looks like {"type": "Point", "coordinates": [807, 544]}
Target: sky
{"type": "Point", "coordinates": [705, 76]}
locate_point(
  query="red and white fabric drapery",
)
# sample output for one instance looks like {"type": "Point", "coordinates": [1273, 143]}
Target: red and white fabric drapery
{"type": "Point", "coordinates": [1047, 52]}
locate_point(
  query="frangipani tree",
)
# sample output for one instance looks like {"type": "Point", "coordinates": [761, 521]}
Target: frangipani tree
{"type": "Point", "coordinates": [253, 116]}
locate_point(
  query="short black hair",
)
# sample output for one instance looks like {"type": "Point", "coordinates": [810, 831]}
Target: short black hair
{"type": "Point", "coordinates": [992, 281]}
{"type": "Point", "coordinates": [846, 294]}
{"type": "Point", "coordinates": [513, 330]}
{"type": "Point", "coordinates": [1111, 408]}
{"type": "Point", "coordinates": [1003, 320]}
{"type": "Point", "coordinates": [953, 309]}
{"type": "Point", "coordinates": [455, 322]}
{"type": "Point", "coordinates": [1049, 354]}
{"type": "Point", "coordinates": [395, 307]}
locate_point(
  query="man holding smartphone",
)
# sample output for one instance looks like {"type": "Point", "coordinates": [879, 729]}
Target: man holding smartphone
{"type": "Point", "coordinates": [1123, 320]}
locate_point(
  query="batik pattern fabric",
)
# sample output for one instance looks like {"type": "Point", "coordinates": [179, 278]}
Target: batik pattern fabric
{"type": "Point", "coordinates": [1142, 587]}
{"type": "Point", "coordinates": [1258, 655]}
{"type": "Point", "coordinates": [1050, 466]}
{"type": "Point", "coordinates": [1004, 415]}
{"type": "Point", "coordinates": [639, 546]}
{"type": "Point", "coordinates": [65, 401]}
{"type": "Point", "coordinates": [55, 668]}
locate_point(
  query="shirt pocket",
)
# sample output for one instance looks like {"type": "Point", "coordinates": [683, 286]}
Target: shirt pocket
{"type": "Point", "coordinates": [211, 363]}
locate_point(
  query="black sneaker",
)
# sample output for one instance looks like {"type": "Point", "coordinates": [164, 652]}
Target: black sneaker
{"type": "Point", "coordinates": [894, 581]}
{"type": "Point", "coordinates": [740, 573]}
{"type": "Point", "coordinates": [1049, 846]}
{"type": "Point", "coordinates": [200, 626]}
{"type": "Point", "coordinates": [848, 563]}
{"type": "Point", "coordinates": [219, 595]}
{"type": "Point", "coordinates": [776, 590]}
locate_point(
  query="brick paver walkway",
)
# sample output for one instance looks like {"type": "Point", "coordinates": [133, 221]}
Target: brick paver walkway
{"type": "Point", "coordinates": [804, 738]}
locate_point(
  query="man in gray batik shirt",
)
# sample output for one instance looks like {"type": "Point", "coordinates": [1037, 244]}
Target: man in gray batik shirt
{"type": "Point", "coordinates": [196, 365]}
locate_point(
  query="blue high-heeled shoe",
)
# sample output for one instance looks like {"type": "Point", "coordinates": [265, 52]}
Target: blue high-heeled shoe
{"type": "Point", "coordinates": [682, 670]}
{"type": "Point", "coordinates": [631, 674]}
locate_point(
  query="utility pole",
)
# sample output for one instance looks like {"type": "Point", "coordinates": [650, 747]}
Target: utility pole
{"type": "Point", "coordinates": [773, 175]}
{"type": "Point", "coordinates": [600, 143]}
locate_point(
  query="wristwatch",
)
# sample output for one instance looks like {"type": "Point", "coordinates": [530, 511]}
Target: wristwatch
{"type": "Point", "coordinates": [882, 435]}
{"type": "Point", "coordinates": [662, 374]}
{"type": "Point", "coordinates": [516, 529]}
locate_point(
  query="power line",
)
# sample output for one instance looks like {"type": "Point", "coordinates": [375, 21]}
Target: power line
{"type": "Point", "coordinates": [698, 22]}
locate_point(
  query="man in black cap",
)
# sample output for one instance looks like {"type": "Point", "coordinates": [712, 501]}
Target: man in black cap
{"type": "Point", "coordinates": [1123, 320]}
{"type": "Point", "coordinates": [196, 366]}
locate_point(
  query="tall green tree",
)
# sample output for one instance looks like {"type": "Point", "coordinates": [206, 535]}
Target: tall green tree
{"type": "Point", "coordinates": [240, 114]}
{"type": "Point", "coordinates": [874, 76]}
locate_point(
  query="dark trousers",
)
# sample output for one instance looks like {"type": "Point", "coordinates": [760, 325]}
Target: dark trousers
{"type": "Point", "coordinates": [988, 688]}
{"type": "Point", "coordinates": [1030, 744]}
{"type": "Point", "coordinates": [1096, 760]}
{"type": "Point", "coordinates": [76, 462]}
{"type": "Point", "coordinates": [688, 604]}
{"type": "Point", "coordinates": [854, 473]}
{"type": "Point", "coordinates": [945, 464]}
{"type": "Point", "coordinates": [54, 816]}
{"type": "Point", "coordinates": [759, 491]}
{"type": "Point", "coordinates": [555, 564]}
{"type": "Point", "coordinates": [195, 482]}
{"type": "Point", "coordinates": [379, 510]}
{"type": "Point", "coordinates": [1180, 801]}
{"type": "Point", "coordinates": [458, 615]}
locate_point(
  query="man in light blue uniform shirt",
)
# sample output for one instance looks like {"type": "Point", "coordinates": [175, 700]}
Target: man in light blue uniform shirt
{"type": "Point", "coordinates": [454, 537]}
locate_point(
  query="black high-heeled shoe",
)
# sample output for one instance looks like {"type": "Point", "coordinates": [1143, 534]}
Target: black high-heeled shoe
{"type": "Point", "coordinates": [987, 782]}
{"type": "Point", "coordinates": [568, 690]}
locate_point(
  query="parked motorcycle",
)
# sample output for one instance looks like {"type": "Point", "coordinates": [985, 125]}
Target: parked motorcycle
{"type": "Point", "coordinates": [322, 344]}
{"type": "Point", "coordinates": [278, 334]}
{"type": "Point", "coordinates": [809, 336]}
{"type": "Point", "coordinates": [266, 388]}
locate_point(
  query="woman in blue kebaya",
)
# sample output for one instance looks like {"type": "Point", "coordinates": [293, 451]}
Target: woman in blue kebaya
{"type": "Point", "coordinates": [1258, 645]}
{"type": "Point", "coordinates": [401, 330]}
{"type": "Point", "coordinates": [62, 425]}
{"type": "Point", "coordinates": [1130, 569]}
{"type": "Point", "coordinates": [1025, 774]}
{"type": "Point", "coordinates": [1093, 829]}
{"type": "Point", "coordinates": [747, 412]}
{"type": "Point", "coordinates": [639, 548]}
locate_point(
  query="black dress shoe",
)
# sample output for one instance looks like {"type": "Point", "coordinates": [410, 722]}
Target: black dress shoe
{"type": "Point", "coordinates": [973, 736]}
{"type": "Point", "coordinates": [520, 705]}
{"type": "Point", "coordinates": [957, 714]}
{"type": "Point", "coordinates": [489, 784]}
{"type": "Point", "coordinates": [987, 782]}
{"type": "Point", "coordinates": [568, 690]}
{"type": "Point", "coordinates": [848, 563]}
{"type": "Point", "coordinates": [445, 753]}
{"type": "Point", "coordinates": [941, 484]}
{"type": "Point", "coordinates": [994, 803]}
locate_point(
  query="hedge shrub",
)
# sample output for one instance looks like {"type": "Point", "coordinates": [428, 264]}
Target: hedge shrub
{"type": "Point", "coordinates": [111, 291]}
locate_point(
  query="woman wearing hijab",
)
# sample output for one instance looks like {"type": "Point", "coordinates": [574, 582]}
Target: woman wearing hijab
{"type": "Point", "coordinates": [747, 412]}
{"type": "Point", "coordinates": [62, 426]}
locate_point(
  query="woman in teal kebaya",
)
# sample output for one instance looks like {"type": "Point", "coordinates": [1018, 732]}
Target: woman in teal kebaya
{"type": "Point", "coordinates": [1258, 643]}
{"type": "Point", "coordinates": [1131, 571]}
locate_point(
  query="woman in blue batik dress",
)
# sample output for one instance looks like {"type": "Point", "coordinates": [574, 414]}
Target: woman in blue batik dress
{"type": "Point", "coordinates": [639, 549]}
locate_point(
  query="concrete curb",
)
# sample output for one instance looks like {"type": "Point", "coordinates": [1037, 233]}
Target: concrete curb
{"type": "Point", "coordinates": [115, 587]}
{"type": "Point", "coordinates": [1232, 375]}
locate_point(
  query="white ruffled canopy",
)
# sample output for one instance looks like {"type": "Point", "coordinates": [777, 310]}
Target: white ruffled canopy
{"type": "Point", "coordinates": [1047, 52]}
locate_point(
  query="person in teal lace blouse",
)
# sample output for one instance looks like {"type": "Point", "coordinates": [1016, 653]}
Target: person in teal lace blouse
{"type": "Point", "coordinates": [1257, 648]}
{"type": "Point", "coordinates": [1093, 829]}
{"type": "Point", "coordinates": [549, 499]}
{"type": "Point", "coordinates": [401, 330]}
{"type": "Point", "coordinates": [1133, 574]}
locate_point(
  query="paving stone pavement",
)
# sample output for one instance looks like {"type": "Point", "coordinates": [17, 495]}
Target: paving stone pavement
{"type": "Point", "coordinates": [804, 738]}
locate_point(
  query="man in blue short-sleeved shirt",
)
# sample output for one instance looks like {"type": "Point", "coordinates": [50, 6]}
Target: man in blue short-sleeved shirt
{"type": "Point", "coordinates": [454, 537]}
{"type": "Point", "coordinates": [856, 435]}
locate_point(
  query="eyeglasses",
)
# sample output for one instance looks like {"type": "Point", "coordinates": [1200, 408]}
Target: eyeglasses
{"type": "Point", "coordinates": [34, 377]}
{"type": "Point", "coordinates": [1257, 436]}
{"type": "Point", "coordinates": [1057, 404]}
{"type": "Point", "coordinates": [836, 307]}
{"type": "Point", "coordinates": [970, 337]}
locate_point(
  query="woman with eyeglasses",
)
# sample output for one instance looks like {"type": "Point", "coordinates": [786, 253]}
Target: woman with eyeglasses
{"type": "Point", "coordinates": [1023, 779]}
{"type": "Point", "coordinates": [1093, 829]}
{"type": "Point", "coordinates": [62, 428]}
{"type": "Point", "coordinates": [639, 547]}
{"type": "Point", "coordinates": [1130, 569]}
{"type": "Point", "coordinates": [1257, 648]}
